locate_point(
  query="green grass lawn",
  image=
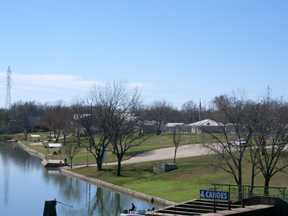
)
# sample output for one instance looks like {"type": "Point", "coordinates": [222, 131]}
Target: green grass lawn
{"type": "Point", "coordinates": [180, 185]}
{"type": "Point", "coordinates": [151, 142]}
{"type": "Point", "coordinates": [166, 140]}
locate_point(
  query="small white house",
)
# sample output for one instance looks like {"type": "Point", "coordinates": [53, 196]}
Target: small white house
{"type": "Point", "coordinates": [197, 127]}
{"type": "Point", "coordinates": [54, 145]}
{"type": "Point", "coordinates": [169, 127]}
{"type": "Point", "coordinates": [35, 136]}
{"type": "Point", "coordinates": [172, 125]}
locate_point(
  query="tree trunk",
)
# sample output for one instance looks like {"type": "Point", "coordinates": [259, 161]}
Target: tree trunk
{"type": "Point", "coordinates": [25, 135]}
{"type": "Point", "coordinates": [64, 139]}
{"type": "Point", "coordinates": [158, 129]}
{"type": "Point", "coordinates": [78, 137]}
{"type": "Point", "coordinates": [240, 182]}
{"type": "Point", "coordinates": [175, 154]}
{"type": "Point", "coordinates": [71, 162]}
{"type": "Point", "coordinates": [252, 181]}
{"type": "Point", "coordinates": [119, 163]}
{"type": "Point", "coordinates": [100, 157]}
{"type": "Point", "coordinates": [240, 192]}
{"type": "Point", "coordinates": [266, 185]}
{"type": "Point", "coordinates": [50, 136]}
{"type": "Point", "coordinates": [99, 164]}
{"type": "Point", "coordinates": [57, 137]}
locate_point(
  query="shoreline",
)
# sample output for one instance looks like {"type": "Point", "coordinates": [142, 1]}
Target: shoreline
{"type": "Point", "coordinates": [142, 196]}
{"type": "Point", "coordinates": [30, 151]}
{"type": "Point", "coordinates": [148, 198]}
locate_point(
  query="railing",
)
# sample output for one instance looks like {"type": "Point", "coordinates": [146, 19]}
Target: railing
{"type": "Point", "coordinates": [275, 192]}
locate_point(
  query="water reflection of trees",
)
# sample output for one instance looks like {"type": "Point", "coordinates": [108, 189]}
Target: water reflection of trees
{"type": "Point", "coordinates": [101, 202]}
{"type": "Point", "coordinates": [10, 155]}
{"type": "Point", "coordinates": [19, 158]}
{"type": "Point", "coordinates": [98, 202]}
{"type": "Point", "coordinates": [6, 177]}
{"type": "Point", "coordinates": [71, 189]}
{"type": "Point", "coordinates": [86, 199]}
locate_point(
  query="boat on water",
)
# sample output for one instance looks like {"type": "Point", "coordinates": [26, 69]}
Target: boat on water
{"type": "Point", "coordinates": [135, 213]}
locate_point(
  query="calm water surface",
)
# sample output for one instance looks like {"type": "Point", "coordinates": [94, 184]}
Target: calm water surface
{"type": "Point", "coordinates": [25, 185]}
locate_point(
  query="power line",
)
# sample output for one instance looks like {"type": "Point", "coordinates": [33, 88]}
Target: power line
{"type": "Point", "coordinates": [8, 88]}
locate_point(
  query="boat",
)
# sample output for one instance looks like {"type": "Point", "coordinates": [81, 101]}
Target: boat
{"type": "Point", "coordinates": [133, 213]}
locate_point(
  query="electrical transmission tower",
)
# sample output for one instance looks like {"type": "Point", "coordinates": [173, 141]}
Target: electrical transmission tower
{"type": "Point", "coordinates": [8, 88]}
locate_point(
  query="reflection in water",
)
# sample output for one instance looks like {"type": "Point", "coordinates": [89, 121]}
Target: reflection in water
{"type": "Point", "coordinates": [6, 175]}
{"type": "Point", "coordinates": [26, 185]}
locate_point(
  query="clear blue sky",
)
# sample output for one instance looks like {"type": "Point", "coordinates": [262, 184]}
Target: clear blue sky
{"type": "Point", "coordinates": [175, 50]}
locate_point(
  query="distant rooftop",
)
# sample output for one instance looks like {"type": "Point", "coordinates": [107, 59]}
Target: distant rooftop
{"type": "Point", "coordinates": [206, 122]}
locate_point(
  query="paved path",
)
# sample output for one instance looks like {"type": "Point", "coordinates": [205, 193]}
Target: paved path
{"type": "Point", "coordinates": [184, 151]}
{"type": "Point", "coordinates": [168, 153]}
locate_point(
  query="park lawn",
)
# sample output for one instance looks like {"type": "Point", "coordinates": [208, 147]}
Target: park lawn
{"type": "Point", "coordinates": [151, 142]}
{"type": "Point", "coordinates": [179, 185]}
{"type": "Point", "coordinates": [82, 157]}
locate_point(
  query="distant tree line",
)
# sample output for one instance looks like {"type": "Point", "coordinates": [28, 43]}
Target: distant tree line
{"type": "Point", "coordinates": [33, 116]}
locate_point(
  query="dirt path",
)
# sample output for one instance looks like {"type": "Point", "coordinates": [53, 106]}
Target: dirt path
{"type": "Point", "coordinates": [162, 154]}
{"type": "Point", "coordinates": [168, 153]}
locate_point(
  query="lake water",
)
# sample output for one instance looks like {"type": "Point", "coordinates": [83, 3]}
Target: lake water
{"type": "Point", "coordinates": [25, 185]}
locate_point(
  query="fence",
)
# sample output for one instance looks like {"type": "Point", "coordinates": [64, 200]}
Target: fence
{"type": "Point", "coordinates": [275, 192]}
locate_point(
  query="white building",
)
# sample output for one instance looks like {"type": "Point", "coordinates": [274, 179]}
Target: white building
{"type": "Point", "coordinates": [197, 127]}
{"type": "Point", "coordinates": [169, 127]}
{"type": "Point", "coordinates": [54, 145]}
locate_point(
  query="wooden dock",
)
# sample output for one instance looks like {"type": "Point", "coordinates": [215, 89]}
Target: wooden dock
{"type": "Point", "coordinates": [53, 163]}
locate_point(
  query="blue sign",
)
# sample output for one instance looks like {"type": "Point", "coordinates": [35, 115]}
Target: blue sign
{"type": "Point", "coordinates": [211, 195]}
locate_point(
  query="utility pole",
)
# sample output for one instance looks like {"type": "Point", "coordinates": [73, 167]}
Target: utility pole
{"type": "Point", "coordinates": [8, 88]}
{"type": "Point", "coordinates": [200, 110]}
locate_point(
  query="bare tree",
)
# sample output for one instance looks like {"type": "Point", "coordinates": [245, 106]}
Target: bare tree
{"type": "Point", "coordinates": [70, 150]}
{"type": "Point", "coordinates": [66, 122]}
{"type": "Point", "coordinates": [58, 119]}
{"type": "Point", "coordinates": [253, 159]}
{"type": "Point", "coordinates": [24, 116]}
{"type": "Point", "coordinates": [53, 121]}
{"type": "Point", "coordinates": [92, 117]}
{"type": "Point", "coordinates": [231, 144]}
{"type": "Point", "coordinates": [161, 112]}
{"type": "Point", "coordinates": [177, 135]}
{"type": "Point", "coordinates": [251, 118]}
{"type": "Point", "coordinates": [271, 138]}
{"type": "Point", "coordinates": [3, 120]}
{"type": "Point", "coordinates": [123, 125]}
{"type": "Point", "coordinates": [190, 112]}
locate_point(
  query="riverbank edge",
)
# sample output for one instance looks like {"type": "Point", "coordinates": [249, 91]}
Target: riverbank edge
{"type": "Point", "coordinates": [30, 151]}
{"type": "Point", "coordinates": [148, 198]}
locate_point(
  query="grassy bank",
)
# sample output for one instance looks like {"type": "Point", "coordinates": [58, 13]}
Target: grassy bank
{"type": "Point", "coordinates": [151, 142]}
{"type": "Point", "coordinates": [179, 185]}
